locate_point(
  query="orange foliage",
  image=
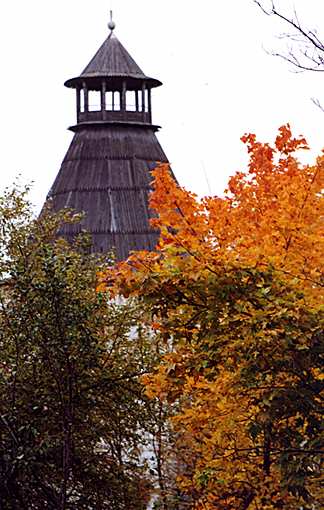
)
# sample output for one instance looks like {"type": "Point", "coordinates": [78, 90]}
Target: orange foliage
{"type": "Point", "coordinates": [236, 285]}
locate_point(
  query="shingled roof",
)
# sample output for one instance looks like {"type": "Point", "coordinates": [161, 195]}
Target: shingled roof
{"type": "Point", "coordinates": [106, 173]}
{"type": "Point", "coordinates": [112, 60]}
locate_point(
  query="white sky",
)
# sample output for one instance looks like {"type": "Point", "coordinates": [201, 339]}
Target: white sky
{"type": "Point", "coordinates": [218, 81]}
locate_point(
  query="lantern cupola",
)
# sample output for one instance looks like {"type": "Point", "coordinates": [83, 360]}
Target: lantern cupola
{"type": "Point", "coordinates": [112, 88]}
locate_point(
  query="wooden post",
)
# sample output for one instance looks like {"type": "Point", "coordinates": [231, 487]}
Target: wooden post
{"type": "Point", "coordinates": [136, 100]}
{"type": "Point", "coordinates": [78, 103]}
{"type": "Point", "coordinates": [143, 101]}
{"type": "Point", "coordinates": [86, 97]}
{"type": "Point", "coordinates": [143, 97]}
{"type": "Point", "coordinates": [149, 99]}
{"type": "Point", "coordinates": [124, 96]}
{"type": "Point", "coordinates": [103, 100]}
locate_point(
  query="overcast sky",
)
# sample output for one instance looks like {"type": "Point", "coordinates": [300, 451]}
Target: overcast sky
{"type": "Point", "coordinates": [219, 83]}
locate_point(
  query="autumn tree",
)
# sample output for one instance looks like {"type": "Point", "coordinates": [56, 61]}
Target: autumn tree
{"type": "Point", "coordinates": [235, 289]}
{"type": "Point", "coordinates": [72, 409]}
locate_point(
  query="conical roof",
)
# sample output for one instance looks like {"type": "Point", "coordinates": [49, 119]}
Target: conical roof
{"type": "Point", "coordinates": [113, 61]}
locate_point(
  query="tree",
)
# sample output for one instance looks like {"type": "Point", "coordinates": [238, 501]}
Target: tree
{"type": "Point", "coordinates": [71, 405]}
{"type": "Point", "coordinates": [236, 292]}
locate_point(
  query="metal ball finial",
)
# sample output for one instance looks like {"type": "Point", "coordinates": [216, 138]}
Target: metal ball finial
{"type": "Point", "coordinates": [111, 24]}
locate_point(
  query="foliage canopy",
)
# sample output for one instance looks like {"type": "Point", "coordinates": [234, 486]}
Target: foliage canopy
{"type": "Point", "coordinates": [236, 288]}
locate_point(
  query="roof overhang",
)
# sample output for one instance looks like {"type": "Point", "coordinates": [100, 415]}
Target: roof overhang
{"type": "Point", "coordinates": [114, 82]}
{"type": "Point", "coordinates": [106, 124]}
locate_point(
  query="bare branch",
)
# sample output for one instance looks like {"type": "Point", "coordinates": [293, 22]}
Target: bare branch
{"type": "Point", "coordinates": [317, 103]}
{"type": "Point", "coordinates": [267, 12]}
{"type": "Point", "coordinates": [291, 59]}
{"type": "Point", "coordinates": [307, 50]}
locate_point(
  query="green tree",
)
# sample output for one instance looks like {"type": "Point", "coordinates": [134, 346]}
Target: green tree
{"type": "Point", "coordinates": [71, 405]}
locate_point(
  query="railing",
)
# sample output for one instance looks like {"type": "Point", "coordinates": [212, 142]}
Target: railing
{"type": "Point", "coordinates": [95, 107]}
{"type": "Point", "coordinates": [115, 115]}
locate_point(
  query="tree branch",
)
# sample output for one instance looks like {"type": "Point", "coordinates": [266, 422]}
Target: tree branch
{"type": "Point", "coordinates": [308, 45]}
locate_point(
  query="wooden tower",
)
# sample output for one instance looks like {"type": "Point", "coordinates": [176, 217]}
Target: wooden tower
{"type": "Point", "coordinates": [106, 171]}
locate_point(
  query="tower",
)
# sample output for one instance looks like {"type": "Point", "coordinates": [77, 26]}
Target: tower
{"type": "Point", "coordinates": [106, 171]}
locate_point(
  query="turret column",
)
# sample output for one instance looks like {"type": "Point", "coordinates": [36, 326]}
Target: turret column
{"type": "Point", "coordinates": [103, 100]}
{"type": "Point", "coordinates": [123, 98]}
{"type": "Point", "coordinates": [136, 100]}
{"type": "Point", "coordinates": [78, 103]}
{"type": "Point", "coordinates": [149, 99]}
{"type": "Point", "coordinates": [86, 97]}
{"type": "Point", "coordinates": [143, 101]}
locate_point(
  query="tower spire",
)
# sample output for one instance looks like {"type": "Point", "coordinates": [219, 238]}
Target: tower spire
{"type": "Point", "coordinates": [111, 24]}
{"type": "Point", "coordinates": [106, 171]}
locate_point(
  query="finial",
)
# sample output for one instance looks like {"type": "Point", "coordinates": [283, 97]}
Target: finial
{"type": "Point", "coordinates": [111, 24]}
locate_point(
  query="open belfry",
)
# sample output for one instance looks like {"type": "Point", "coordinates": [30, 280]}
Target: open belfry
{"type": "Point", "coordinates": [106, 172]}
